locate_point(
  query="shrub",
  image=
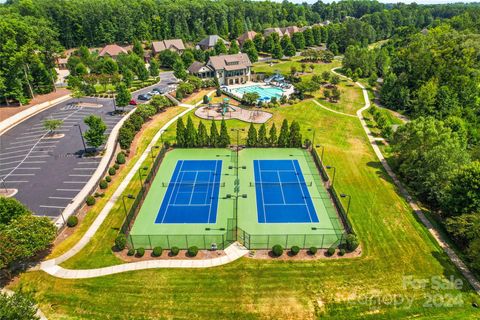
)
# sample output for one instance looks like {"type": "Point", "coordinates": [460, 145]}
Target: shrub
{"type": "Point", "coordinates": [167, 145]}
{"type": "Point", "coordinates": [277, 250]}
{"type": "Point", "coordinates": [351, 242]}
{"type": "Point", "coordinates": [103, 184]}
{"type": "Point", "coordinates": [121, 158]}
{"type": "Point", "coordinates": [116, 166]}
{"type": "Point", "coordinates": [112, 171]}
{"type": "Point", "coordinates": [174, 251]}
{"type": "Point", "coordinates": [192, 251]}
{"type": "Point", "coordinates": [157, 251]}
{"type": "Point", "coordinates": [98, 195]}
{"type": "Point", "coordinates": [341, 252]}
{"type": "Point", "coordinates": [140, 252]}
{"type": "Point", "coordinates": [312, 250]}
{"type": "Point", "coordinates": [108, 179]}
{"type": "Point", "coordinates": [121, 241]}
{"type": "Point", "coordinates": [90, 200]}
{"type": "Point", "coordinates": [131, 252]}
{"type": "Point", "coordinates": [218, 92]}
{"type": "Point", "coordinates": [72, 221]}
{"type": "Point", "coordinates": [330, 251]}
{"type": "Point", "coordinates": [295, 250]}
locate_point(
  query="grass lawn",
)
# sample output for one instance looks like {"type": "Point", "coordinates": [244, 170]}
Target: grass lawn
{"type": "Point", "coordinates": [283, 66]}
{"type": "Point", "coordinates": [196, 97]}
{"type": "Point", "coordinates": [394, 245]}
{"type": "Point", "coordinates": [351, 98]}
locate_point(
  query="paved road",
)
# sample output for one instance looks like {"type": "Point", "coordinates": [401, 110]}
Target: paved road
{"type": "Point", "coordinates": [50, 172]}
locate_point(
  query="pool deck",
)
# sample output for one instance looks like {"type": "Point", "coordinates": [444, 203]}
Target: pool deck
{"type": "Point", "coordinates": [231, 88]}
{"type": "Point", "coordinates": [254, 116]}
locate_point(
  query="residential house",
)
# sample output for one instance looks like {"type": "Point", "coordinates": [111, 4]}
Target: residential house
{"type": "Point", "coordinates": [175, 45]}
{"type": "Point", "coordinates": [228, 69]}
{"type": "Point", "coordinates": [249, 35]}
{"type": "Point", "coordinates": [112, 51]}
{"type": "Point", "coordinates": [269, 31]}
{"type": "Point", "coordinates": [289, 31]}
{"type": "Point", "coordinates": [210, 41]}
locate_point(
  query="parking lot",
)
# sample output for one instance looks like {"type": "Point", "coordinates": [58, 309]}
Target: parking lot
{"type": "Point", "coordinates": [50, 171]}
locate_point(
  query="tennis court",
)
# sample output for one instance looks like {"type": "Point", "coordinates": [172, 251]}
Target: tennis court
{"type": "Point", "coordinates": [192, 194]}
{"type": "Point", "coordinates": [282, 193]}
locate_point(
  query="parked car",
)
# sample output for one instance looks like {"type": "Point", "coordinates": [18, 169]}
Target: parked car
{"type": "Point", "coordinates": [153, 93]}
{"type": "Point", "coordinates": [145, 97]}
{"type": "Point", "coordinates": [159, 90]}
{"type": "Point", "coordinates": [164, 90]}
{"type": "Point", "coordinates": [133, 102]}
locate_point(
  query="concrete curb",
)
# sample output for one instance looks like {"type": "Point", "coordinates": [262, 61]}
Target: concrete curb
{"type": "Point", "coordinates": [12, 121]}
{"type": "Point", "coordinates": [461, 266]}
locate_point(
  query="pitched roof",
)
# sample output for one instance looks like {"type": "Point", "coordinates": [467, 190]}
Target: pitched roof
{"type": "Point", "coordinates": [230, 62]}
{"type": "Point", "coordinates": [249, 35]}
{"type": "Point", "coordinates": [112, 50]}
{"type": "Point", "coordinates": [159, 46]}
{"type": "Point", "coordinates": [211, 40]}
{"type": "Point", "coordinates": [269, 31]}
{"type": "Point", "coordinates": [195, 67]}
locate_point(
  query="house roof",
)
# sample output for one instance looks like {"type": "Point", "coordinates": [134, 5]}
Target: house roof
{"type": "Point", "coordinates": [246, 36]}
{"type": "Point", "coordinates": [112, 50]}
{"type": "Point", "coordinates": [230, 62]}
{"type": "Point", "coordinates": [269, 31]}
{"type": "Point", "coordinates": [289, 31]}
{"type": "Point", "coordinates": [195, 67]}
{"type": "Point", "coordinates": [211, 40]}
{"type": "Point", "coordinates": [176, 44]}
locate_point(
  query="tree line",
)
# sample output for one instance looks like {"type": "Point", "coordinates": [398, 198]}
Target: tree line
{"type": "Point", "coordinates": [288, 137]}
{"type": "Point", "coordinates": [187, 136]}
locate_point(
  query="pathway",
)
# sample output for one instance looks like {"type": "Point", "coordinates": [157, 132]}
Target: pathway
{"type": "Point", "coordinates": [331, 110]}
{"type": "Point", "coordinates": [438, 237]}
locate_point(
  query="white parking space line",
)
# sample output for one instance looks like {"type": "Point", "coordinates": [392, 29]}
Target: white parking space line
{"type": "Point", "coordinates": [75, 182]}
{"type": "Point", "coordinates": [34, 131]}
{"type": "Point", "coordinates": [18, 142]}
{"type": "Point", "coordinates": [22, 146]}
{"type": "Point", "coordinates": [84, 168]}
{"type": "Point", "coordinates": [21, 174]}
{"type": "Point", "coordinates": [13, 152]}
{"type": "Point", "coordinates": [55, 207]}
{"type": "Point", "coordinates": [11, 162]}
{"type": "Point", "coordinates": [12, 157]}
{"type": "Point", "coordinates": [31, 162]}
{"type": "Point", "coordinates": [29, 168]}
{"type": "Point", "coordinates": [79, 175]}
{"type": "Point", "coordinates": [12, 181]}
{"type": "Point", "coordinates": [61, 198]}
{"type": "Point", "coordinates": [7, 169]}
{"type": "Point", "coordinates": [69, 189]}
{"type": "Point", "coordinates": [41, 156]}
{"type": "Point", "coordinates": [91, 162]}
{"type": "Point", "coordinates": [30, 137]}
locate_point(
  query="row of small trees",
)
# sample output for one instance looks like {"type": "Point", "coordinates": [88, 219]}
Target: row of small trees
{"type": "Point", "coordinates": [190, 137]}
{"type": "Point", "coordinates": [287, 138]}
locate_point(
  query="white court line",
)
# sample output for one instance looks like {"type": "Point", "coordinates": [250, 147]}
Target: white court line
{"type": "Point", "coordinates": [281, 187]}
{"type": "Point", "coordinates": [61, 198]}
{"type": "Point", "coordinates": [303, 194]}
{"type": "Point", "coordinates": [68, 189]}
{"type": "Point", "coordinates": [193, 188]}
{"type": "Point", "coordinates": [55, 207]}
{"type": "Point", "coordinates": [173, 191]}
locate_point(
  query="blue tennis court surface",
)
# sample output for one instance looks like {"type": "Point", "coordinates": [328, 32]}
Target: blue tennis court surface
{"type": "Point", "coordinates": [192, 194]}
{"type": "Point", "coordinates": [282, 193]}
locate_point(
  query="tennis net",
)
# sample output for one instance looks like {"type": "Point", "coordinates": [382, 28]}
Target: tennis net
{"type": "Point", "coordinates": [281, 184]}
{"type": "Point", "coordinates": [192, 184]}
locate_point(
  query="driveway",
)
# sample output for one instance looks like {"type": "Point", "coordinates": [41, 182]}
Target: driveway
{"type": "Point", "coordinates": [50, 171]}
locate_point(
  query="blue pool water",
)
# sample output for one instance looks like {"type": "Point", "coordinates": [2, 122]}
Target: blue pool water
{"type": "Point", "coordinates": [263, 92]}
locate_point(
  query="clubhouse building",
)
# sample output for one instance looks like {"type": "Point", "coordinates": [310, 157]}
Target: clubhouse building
{"type": "Point", "coordinates": [228, 69]}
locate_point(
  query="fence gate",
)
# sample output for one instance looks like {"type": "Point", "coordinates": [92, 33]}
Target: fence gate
{"type": "Point", "coordinates": [231, 231]}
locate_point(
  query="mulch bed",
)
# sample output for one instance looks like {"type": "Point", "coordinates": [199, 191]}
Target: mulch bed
{"type": "Point", "coordinates": [302, 255]}
{"type": "Point", "coordinates": [182, 255]}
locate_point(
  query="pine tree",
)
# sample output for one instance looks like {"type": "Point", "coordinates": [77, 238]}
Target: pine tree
{"type": "Point", "coordinates": [262, 136]}
{"type": "Point", "coordinates": [252, 136]}
{"type": "Point", "coordinates": [295, 137]}
{"type": "Point", "coordinates": [224, 137]}
{"type": "Point", "coordinates": [277, 52]}
{"type": "Point", "coordinates": [180, 133]}
{"type": "Point", "coordinates": [202, 135]}
{"type": "Point", "coordinates": [272, 139]}
{"type": "Point", "coordinates": [190, 134]}
{"type": "Point", "coordinates": [234, 48]}
{"type": "Point", "coordinates": [283, 136]}
{"type": "Point", "coordinates": [213, 141]}
{"type": "Point", "coordinates": [123, 97]}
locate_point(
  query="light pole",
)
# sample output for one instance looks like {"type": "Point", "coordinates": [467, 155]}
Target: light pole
{"type": "Point", "coordinates": [323, 149]}
{"type": "Point", "coordinates": [125, 209]}
{"type": "Point", "coordinates": [140, 175]}
{"type": "Point", "coordinates": [236, 196]}
{"type": "Point", "coordinates": [151, 151]}
{"type": "Point", "coordinates": [334, 173]}
{"type": "Point", "coordinates": [313, 136]}
{"type": "Point", "coordinates": [83, 140]}
{"type": "Point", "coordinates": [343, 195]}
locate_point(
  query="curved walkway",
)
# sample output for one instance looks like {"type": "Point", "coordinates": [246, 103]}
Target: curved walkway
{"type": "Point", "coordinates": [438, 237]}
{"type": "Point", "coordinates": [331, 110]}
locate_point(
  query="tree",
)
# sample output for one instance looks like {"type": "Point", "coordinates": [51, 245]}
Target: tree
{"type": "Point", "coordinates": [52, 124]}
{"type": "Point", "coordinates": [293, 70]}
{"type": "Point", "coordinates": [24, 237]}
{"type": "Point", "coordinates": [154, 67]}
{"type": "Point", "coordinates": [250, 49]}
{"type": "Point", "coordinates": [224, 139]}
{"type": "Point", "coordinates": [290, 50]}
{"type": "Point", "coordinates": [277, 52]}
{"type": "Point", "coordinates": [128, 78]}
{"type": "Point", "coordinates": [142, 73]}
{"type": "Point", "coordinates": [336, 94]}
{"type": "Point", "coordinates": [220, 47]}
{"type": "Point", "coordinates": [180, 133]}
{"type": "Point", "coordinates": [298, 40]}
{"type": "Point", "coordinates": [463, 194]}
{"type": "Point", "coordinates": [138, 48]}
{"type": "Point", "coordinates": [123, 97]}
{"type": "Point", "coordinates": [179, 70]}
{"type": "Point", "coordinates": [252, 136]}
{"type": "Point", "coordinates": [17, 306]}
{"type": "Point", "coordinates": [311, 66]}
{"type": "Point", "coordinates": [250, 98]}
{"type": "Point", "coordinates": [327, 94]}
{"type": "Point", "coordinates": [335, 80]}
{"type": "Point", "coordinates": [303, 66]}
{"type": "Point", "coordinates": [326, 76]}
{"type": "Point", "coordinates": [95, 135]}
{"type": "Point", "coordinates": [283, 138]}
{"type": "Point", "coordinates": [214, 137]}
{"type": "Point", "coordinates": [202, 136]}
{"type": "Point", "coordinates": [190, 134]}
{"type": "Point", "coordinates": [308, 36]}
{"type": "Point", "coordinates": [10, 208]}
{"type": "Point", "coordinates": [272, 136]}
{"type": "Point", "coordinates": [268, 44]}
{"type": "Point", "coordinates": [234, 47]}
{"type": "Point", "coordinates": [188, 57]}
{"type": "Point", "coordinates": [295, 137]}
{"type": "Point", "coordinates": [257, 41]}
{"type": "Point", "coordinates": [262, 140]}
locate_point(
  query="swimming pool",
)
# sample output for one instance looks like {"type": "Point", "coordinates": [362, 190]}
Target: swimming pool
{"type": "Point", "coordinates": [263, 92]}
